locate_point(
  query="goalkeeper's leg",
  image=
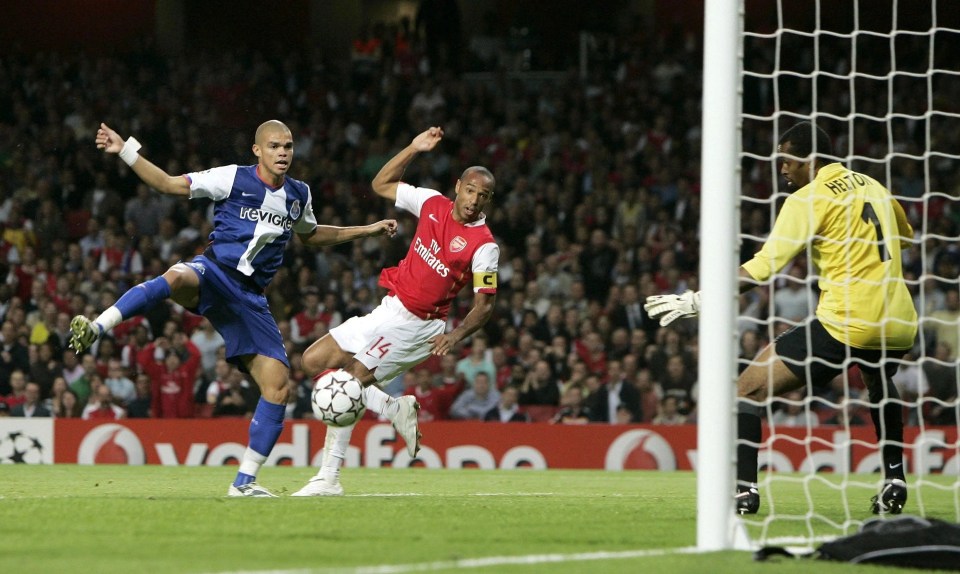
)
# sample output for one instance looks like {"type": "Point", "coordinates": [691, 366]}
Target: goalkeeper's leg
{"type": "Point", "coordinates": [749, 434]}
{"type": "Point", "coordinates": [888, 422]}
{"type": "Point", "coordinates": [767, 376]}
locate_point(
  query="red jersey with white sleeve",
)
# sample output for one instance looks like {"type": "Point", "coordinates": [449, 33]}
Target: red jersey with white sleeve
{"type": "Point", "coordinates": [443, 256]}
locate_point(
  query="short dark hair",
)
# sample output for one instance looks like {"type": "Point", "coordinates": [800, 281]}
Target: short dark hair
{"type": "Point", "coordinates": [801, 140]}
{"type": "Point", "coordinates": [482, 171]}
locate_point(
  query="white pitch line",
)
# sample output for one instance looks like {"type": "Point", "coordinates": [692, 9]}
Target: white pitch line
{"type": "Point", "coordinates": [465, 563]}
{"type": "Point", "coordinates": [401, 494]}
{"type": "Point", "coordinates": [514, 494]}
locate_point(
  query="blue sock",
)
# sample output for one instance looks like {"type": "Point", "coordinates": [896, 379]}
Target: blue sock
{"type": "Point", "coordinates": [266, 425]}
{"type": "Point", "coordinates": [243, 478]}
{"type": "Point", "coordinates": [265, 429]}
{"type": "Point", "coordinates": [142, 297]}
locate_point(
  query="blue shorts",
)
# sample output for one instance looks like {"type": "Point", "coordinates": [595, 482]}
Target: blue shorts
{"type": "Point", "coordinates": [240, 315]}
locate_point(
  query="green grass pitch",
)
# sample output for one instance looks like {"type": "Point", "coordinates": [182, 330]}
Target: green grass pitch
{"type": "Point", "coordinates": [107, 519]}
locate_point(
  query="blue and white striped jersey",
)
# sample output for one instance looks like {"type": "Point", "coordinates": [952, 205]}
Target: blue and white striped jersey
{"type": "Point", "coordinates": [252, 221]}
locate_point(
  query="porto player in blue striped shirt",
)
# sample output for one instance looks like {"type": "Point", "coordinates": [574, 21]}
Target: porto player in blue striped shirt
{"type": "Point", "coordinates": [257, 209]}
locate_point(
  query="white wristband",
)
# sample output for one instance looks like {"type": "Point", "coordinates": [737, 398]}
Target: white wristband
{"type": "Point", "coordinates": [128, 153]}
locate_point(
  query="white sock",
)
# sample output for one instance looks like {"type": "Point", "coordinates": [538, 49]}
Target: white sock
{"type": "Point", "coordinates": [252, 461]}
{"type": "Point", "coordinates": [109, 319]}
{"type": "Point", "coordinates": [328, 441]}
{"type": "Point", "coordinates": [334, 451]}
{"type": "Point", "coordinates": [380, 402]}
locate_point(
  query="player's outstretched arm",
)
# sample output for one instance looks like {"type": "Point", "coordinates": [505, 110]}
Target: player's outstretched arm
{"type": "Point", "coordinates": [477, 317]}
{"type": "Point", "coordinates": [331, 235]}
{"type": "Point", "coordinates": [110, 141]}
{"type": "Point", "coordinates": [386, 181]}
{"type": "Point", "coordinates": [669, 308]}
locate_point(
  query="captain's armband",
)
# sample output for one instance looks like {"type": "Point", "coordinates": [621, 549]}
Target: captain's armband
{"type": "Point", "coordinates": [485, 280]}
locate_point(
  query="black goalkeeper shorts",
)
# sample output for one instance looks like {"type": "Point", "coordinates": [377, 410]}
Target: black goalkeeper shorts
{"type": "Point", "coordinates": [814, 356]}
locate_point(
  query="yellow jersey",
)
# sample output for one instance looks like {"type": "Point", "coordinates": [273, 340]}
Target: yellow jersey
{"type": "Point", "coordinates": [855, 230]}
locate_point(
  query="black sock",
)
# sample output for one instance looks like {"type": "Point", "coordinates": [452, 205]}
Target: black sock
{"type": "Point", "coordinates": [889, 427]}
{"type": "Point", "coordinates": [748, 431]}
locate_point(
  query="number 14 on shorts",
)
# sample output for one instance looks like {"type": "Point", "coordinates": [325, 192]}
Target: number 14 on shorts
{"type": "Point", "coordinates": [379, 348]}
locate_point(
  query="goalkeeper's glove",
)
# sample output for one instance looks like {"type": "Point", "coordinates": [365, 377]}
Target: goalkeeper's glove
{"type": "Point", "coordinates": [669, 308]}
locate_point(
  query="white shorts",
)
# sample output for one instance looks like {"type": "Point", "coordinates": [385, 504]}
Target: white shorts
{"type": "Point", "coordinates": [389, 339]}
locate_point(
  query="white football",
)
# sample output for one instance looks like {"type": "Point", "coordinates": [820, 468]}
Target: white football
{"type": "Point", "coordinates": [338, 399]}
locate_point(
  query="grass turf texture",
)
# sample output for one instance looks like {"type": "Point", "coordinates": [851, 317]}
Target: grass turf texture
{"type": "Point", "coordinates": [106, 519]}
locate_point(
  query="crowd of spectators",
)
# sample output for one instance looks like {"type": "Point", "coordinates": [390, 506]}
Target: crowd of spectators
{"type": "Point", "coordinates": [597, 207]}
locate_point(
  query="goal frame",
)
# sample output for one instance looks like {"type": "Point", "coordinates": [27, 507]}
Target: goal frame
{"type": "Point", "coordinates": [717, 525]}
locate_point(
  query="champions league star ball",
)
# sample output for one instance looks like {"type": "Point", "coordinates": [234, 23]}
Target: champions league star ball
{"type": "Point", "coordinates": [16, 447]}
{"type": "Point", "coordinates": [338, 399]}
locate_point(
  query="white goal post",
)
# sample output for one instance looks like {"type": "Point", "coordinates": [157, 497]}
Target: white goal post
{"type": "Point", "coordinates": [720, 182]}
{"type": "Point", "coordinates": [884, 75]}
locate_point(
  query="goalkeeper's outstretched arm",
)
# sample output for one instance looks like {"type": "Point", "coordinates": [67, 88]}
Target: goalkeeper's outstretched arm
{"type": "Point", "coordinates": [747, 281]}
{"type": "Point", "coordinates": [669, 308]}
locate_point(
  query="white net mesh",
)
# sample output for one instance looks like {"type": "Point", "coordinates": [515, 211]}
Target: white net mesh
{"type": "Point", "coordinates": [883, 79]}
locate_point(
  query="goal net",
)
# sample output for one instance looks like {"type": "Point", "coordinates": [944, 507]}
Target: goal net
{"type": "Point", "coordinates": [882, 77]}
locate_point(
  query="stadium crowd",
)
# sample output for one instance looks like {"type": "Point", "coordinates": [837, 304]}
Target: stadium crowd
{"type": "Point", "coordinates": [597, 207]}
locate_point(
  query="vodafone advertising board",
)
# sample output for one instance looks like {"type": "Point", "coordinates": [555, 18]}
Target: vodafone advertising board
{"type": "Point", "coordinates": [215, 442]}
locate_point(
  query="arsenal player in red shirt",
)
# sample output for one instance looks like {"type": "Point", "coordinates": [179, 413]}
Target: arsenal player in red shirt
{"type": "Point", "coordinates": [452, 246]}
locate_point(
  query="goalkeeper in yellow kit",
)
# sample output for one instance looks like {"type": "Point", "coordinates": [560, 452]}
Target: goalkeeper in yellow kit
{"type": "Point", "coordinates": [854, 230]}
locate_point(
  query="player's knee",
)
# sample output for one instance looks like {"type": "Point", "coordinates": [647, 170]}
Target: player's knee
{"type": "Point", "coordinates": [277, 395]}
{"type": "Point", "coordinates": [177, 277]}
{"type": "Point", "coordinates": [754, 392]}
{"type": "Point", "coordinates": [273, 386]}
